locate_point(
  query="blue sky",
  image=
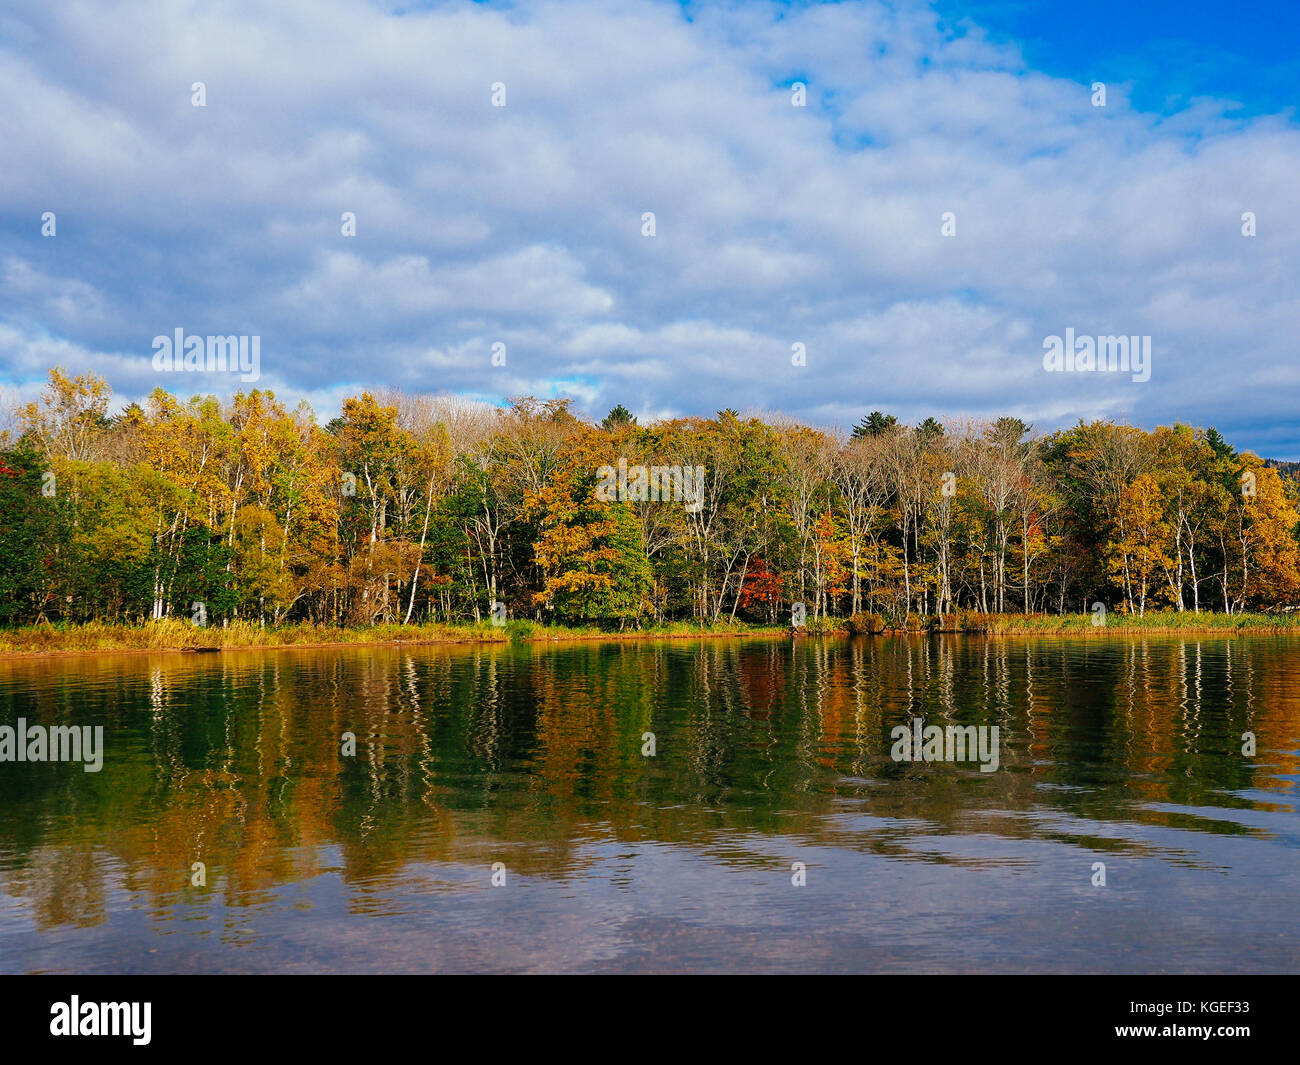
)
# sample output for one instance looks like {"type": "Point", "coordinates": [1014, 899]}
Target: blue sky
{"type": "Point", "coordinates": [776, 225]}
{"type": "Point", "coordinates": [1172, 51]}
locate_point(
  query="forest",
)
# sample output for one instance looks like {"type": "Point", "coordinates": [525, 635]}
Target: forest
{"type": "Point", "coordinates": [411, 508]}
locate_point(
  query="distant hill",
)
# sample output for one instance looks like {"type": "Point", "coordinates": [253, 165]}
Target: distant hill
{"type": "Point", "coordinates": [1287, 469]}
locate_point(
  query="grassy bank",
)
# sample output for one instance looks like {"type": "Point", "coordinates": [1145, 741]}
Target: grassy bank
{"type": "Point", "coordinates": [178, 635]}
{"type": "Point", "coordinates": [1154, 622]}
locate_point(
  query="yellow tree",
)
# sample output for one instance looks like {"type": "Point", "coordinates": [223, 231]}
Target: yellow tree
{"type": "Point", "coordinates": [829, 552]}
{"type": "Point", "coordinates": [259, 562]}
{"type": "Point", "coordinates": [1265, 522]}
{"type": "Point", "coordinates": [1140, 553]}
{"type": "Point", "coordinates": [69, 421]}
{"type": "Point", "coordinates": [590, 551]}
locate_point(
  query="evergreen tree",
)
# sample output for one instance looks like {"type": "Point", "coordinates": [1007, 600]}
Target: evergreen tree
{"type": "Point", "coordinates": [875, 424]}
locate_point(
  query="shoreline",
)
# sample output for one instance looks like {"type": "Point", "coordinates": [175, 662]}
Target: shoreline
{"type": "Point", "coordinates": [1015, 626]}
{"type": "Point", "coordinates": [449, 640]}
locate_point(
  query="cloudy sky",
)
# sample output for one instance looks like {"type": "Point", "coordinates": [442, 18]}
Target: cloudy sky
{"type": "Point", "coordinates": [775, 224]}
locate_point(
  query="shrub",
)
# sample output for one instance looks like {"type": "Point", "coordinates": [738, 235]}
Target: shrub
{"type": "Point", "coordinates": [520, 630]}
{"type": "Point", "coordinates": [972, 621]}
{"type": "Point", "coordinates": [895, 618]}
{"type": "Point", "coordinates": [865, 624]}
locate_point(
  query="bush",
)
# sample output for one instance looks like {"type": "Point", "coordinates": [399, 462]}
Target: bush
{"type": "Point", "coordinates": [946, 623]}
{"type": "Point", "coordinates": [865, 624]}
{"type": "Point", "coordinates": [895, 618]}
{"type": "Point", "coordinates": [972, 621]}
{"type": "Point", "coordinates": [520, 630]}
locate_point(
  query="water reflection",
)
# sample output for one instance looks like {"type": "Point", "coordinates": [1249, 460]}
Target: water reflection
{"type": "Point", "coordinates": [768, 752]}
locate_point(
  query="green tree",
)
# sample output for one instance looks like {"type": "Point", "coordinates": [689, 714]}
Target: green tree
{"type": "Point", "coordinates": [875, 424]}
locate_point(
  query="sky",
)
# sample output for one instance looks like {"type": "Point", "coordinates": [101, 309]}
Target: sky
{"type": "Point", "coordinates": [949, 197]}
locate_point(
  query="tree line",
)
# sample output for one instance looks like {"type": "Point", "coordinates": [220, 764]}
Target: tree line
{"type": "Point", "coordinates": [418, 508]}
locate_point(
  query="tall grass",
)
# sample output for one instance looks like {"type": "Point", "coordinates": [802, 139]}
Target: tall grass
{"type": "Point", "coordinates": [173, 634]}
{"type": "Point", "coordinates": [1154, 621]}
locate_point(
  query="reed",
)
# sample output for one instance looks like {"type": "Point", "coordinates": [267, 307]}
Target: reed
{"type": "Point", "coordinates": [173, 634]}
{"type": "Point", "coordinates": [176, 635]}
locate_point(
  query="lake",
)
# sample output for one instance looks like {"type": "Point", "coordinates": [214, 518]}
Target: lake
{"type": "Point", "coordinates": [769, 830]}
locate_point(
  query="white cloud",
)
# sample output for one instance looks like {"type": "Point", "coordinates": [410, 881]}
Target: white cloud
{"type": "Point", "coordinates": [775, 223]}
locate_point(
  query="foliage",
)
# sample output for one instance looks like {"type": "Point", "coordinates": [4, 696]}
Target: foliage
{"type": "Point", "coordinates": [424, 510]}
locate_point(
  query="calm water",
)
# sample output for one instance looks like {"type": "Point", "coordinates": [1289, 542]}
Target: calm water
{"type": "Point", "coordinates": [769, 752]}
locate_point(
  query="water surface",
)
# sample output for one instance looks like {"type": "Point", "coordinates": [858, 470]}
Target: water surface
{"type": "Point", "coordinates": [769, 753]}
